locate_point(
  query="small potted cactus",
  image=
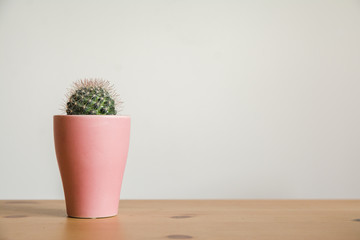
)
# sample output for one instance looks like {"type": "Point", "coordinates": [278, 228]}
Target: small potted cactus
{"type": "Point", "coordinates": [91, 144]}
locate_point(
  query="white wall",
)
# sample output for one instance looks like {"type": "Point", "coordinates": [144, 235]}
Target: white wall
{"type": "Point", "coordinates": [228, 99]}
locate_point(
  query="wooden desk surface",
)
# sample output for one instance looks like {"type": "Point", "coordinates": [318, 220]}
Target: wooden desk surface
{"type": "Point", "coordinates": [186, 219]}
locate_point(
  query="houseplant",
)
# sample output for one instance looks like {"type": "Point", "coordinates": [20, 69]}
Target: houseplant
{"type": "Point", "coordinates": [91, 144]}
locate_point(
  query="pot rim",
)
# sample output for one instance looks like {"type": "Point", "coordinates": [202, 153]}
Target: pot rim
{"type": "Point", "coordinates": [91, 116]}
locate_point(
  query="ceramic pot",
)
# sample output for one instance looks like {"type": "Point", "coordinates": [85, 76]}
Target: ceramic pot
{"type": "Point", "coordinates": [91, 153]}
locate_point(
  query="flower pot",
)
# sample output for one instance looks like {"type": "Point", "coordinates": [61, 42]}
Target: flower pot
{"type": "Point", "coordinates": [91, 153]}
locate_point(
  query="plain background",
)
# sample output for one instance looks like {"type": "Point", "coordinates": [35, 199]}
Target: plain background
{"type": "Point", "coordinates": [228, 99]}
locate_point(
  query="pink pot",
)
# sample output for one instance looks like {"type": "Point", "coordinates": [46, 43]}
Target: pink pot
{"type": "Point", "coordinates": [91, 152]}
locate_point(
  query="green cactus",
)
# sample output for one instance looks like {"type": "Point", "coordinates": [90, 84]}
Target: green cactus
{"type": "Point", "coordinates": [92, 97]}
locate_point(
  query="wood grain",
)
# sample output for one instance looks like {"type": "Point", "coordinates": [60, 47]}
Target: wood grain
{"type": "Point", "coordinates": [187, 219]}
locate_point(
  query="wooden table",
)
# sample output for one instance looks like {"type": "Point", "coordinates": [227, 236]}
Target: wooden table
{"type": "Point", "coordinates": [186, 219]}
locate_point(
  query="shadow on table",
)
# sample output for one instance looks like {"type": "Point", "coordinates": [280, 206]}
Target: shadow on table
{"type": "Point", "coordinates": [93, 229]}
{"type": "Point", "coordinates": [39, 221]}
{"type": "Point", "coordinates": [19, 209]}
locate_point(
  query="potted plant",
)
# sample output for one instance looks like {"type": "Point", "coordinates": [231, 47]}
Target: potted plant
{"type": "Point", "coordinates": [91, 144]}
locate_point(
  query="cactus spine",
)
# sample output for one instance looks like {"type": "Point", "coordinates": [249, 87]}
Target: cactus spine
{"type": "Point", "coordinates": [92, 97]}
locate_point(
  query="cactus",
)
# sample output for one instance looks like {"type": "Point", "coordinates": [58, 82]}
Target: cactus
{"type": "Point", "coordinates": [92, 97]}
